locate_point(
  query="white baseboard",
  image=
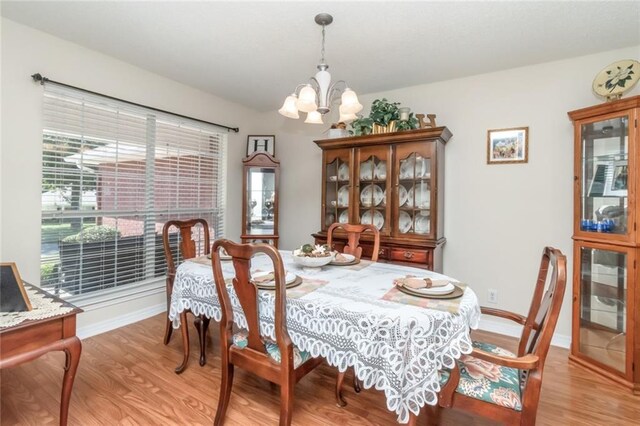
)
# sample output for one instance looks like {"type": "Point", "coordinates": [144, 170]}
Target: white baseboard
{"type": "Point", "coordinates": [498, 327]}
{"type": "Point", "coordinates": [120, 321]}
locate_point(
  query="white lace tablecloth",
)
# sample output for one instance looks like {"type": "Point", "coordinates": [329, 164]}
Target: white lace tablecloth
{"type": "Point", "coordinates": [395, 347]}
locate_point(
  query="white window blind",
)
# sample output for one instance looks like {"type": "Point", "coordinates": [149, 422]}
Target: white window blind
{"type": "Point", "coordinates": [112, 175]}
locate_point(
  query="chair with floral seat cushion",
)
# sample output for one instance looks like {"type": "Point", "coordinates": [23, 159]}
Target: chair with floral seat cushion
{"type": "Point", "coordinates": [496, 383]}
{"type": "Point", "coordinates": [279, 362]}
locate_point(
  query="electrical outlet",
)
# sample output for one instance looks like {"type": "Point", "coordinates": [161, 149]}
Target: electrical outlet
{"type": "Point", "coordinates": [492, 297]}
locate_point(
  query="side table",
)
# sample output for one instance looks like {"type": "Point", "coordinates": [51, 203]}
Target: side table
{"type": "Point", "coordinates": [34, 336]}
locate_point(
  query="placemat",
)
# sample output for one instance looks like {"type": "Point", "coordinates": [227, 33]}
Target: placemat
{"type": "Point", "coordinates": [446, 305]}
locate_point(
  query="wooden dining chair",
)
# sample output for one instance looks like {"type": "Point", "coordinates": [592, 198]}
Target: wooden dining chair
{"type": "Point", "coordinates": [187, 250]}
{"type": "Point", "coordinates": [353, 238]}
{"type": "Point", "coordinates": [354, 231]}
{"type": "Point", "coordinates": [496, 383]}
{"type": "Point", "coordinates": [279, 362]}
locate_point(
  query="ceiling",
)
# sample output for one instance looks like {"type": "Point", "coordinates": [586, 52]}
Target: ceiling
{"type": "Point", "coordinates": [255, 53]}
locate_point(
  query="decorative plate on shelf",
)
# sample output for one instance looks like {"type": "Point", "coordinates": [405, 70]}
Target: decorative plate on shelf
{"type": "Point", "coordinates": [404, 222]}
{"type": "Point", "coordinates": [378, 219]}
{"type": "Point", "coordinates": [422, 167]}
{"type": "Point", "coordinates": [407, 168]}
{"type": "Point", "coordinates": [343, 172]}
{"type": "Point", "coordinates": [371, 195]}
{"type": "Point", "coordinates": [403, 195]}
{"type": "Point", "coordinates": [380, 171]}
{"type": "Point", "coordinates": [421, 224]}
{"type": "Point", "coordinates": [366, 170]}
{"type": "Point", "coordinates": [343, 196]}
{"type": "Point", "coordinates": [344, 217]}
{"type": "Point", "coordinates": [422, 197]}
{"type": "Point", "coordinates": [617, 78]}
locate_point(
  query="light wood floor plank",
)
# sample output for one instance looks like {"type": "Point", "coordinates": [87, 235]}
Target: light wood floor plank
{"type": "Point", "coordinates": [126, 378]}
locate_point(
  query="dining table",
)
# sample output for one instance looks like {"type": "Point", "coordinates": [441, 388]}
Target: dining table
{"type": "Point", "coordinates": [354, 317]}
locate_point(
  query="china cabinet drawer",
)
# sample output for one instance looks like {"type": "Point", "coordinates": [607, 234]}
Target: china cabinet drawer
{"type": "Point", "coordinates": [367, 251]}
{"type": "Point", "coordinates": [409, 255]}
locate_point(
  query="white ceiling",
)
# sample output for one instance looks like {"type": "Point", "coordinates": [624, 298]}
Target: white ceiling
{"type": "Point", "coordinates": [255, 53]}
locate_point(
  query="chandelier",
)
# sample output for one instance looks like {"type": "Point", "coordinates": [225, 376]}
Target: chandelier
{"type": "Point", "coordinates": [315, 97]}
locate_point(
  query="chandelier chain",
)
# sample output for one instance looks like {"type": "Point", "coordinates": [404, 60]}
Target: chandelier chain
{"type": "Point", "coordinates": [322, 51]}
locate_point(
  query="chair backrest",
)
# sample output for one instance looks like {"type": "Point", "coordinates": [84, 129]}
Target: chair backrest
{"type": "Point", "coordinates": [545, 305]}
{"type": "Point", "coordinates": [247, 294]}
{"type": "Point", "coordinates": [188, 248]}
{"type": "Point", "coordinates": [353, 238]}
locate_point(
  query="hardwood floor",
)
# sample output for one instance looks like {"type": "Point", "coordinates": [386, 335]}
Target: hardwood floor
{"type": "Point", "coordinates": [126, 377]}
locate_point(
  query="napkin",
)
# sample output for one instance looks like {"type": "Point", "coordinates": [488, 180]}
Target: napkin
{"type": "Point", "coordinates": [264, 278]}
{"type": "Point", "coordinates": [414, 282]}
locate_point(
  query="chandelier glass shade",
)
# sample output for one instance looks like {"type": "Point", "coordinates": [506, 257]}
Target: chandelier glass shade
{"type": "Point", "coordinates": [315, 98]}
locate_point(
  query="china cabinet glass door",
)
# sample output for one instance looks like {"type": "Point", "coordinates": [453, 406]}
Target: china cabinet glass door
{"type": "Point", "coordinates": [605, 186]}
{"type": "Point", "coordinates": [413, 194]}
{"type": "Point", "coordinates": [337, 187]}
{"type": "Point", "coordinates": [373, 196]}
{"type": "Point", "coordinates": [603, 305]}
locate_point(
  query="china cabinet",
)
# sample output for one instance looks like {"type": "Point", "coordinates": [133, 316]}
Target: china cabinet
{"type": "Point", "coordinates": [606, 298]}
{"type": "Point", "coordinates": [394, 181]}
{"type": "Point", "coordinates": [260, 202]}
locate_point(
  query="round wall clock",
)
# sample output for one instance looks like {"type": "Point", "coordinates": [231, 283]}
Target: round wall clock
{"type": "Point", "coordinates": [616, 79]}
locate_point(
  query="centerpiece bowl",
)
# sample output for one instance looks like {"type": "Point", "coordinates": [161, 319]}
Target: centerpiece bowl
{"type": "Point", "coordinates": [313, 258]}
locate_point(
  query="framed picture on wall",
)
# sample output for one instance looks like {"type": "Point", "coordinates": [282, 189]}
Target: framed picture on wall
{"type": "Point", "coordinates": [508, 146]}
{"type": "Point", "coordinates": [261, 143]}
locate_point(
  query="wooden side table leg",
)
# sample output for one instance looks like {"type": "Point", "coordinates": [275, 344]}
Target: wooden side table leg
{"type": "Point", "coordinates": [184, 328]}
{"type": "Point", "coordinates": [72, 350]}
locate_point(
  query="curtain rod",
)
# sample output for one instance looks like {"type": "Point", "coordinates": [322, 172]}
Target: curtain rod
{"type": "Point", "coordinates": [43, 80]}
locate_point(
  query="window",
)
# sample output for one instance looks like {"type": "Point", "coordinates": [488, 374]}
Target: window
{"type": "Point", "coordinates": [112, 175]}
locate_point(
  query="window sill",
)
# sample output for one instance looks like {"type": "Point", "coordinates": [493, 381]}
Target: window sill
{"type": "Point", "coordinates": [99, 300]}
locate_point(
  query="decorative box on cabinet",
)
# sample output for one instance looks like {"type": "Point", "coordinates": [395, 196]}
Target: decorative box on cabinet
{"type": "Point", "coordinates": [606, 298]}
{"type": "Point", "coordinates": [393, 180]}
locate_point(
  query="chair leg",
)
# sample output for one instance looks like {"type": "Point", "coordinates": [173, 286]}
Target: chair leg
{"type": "Point", "coordinates": [339, 399]}
{"type": "Point", "coordinates": [286, 400]}
{"type": "Point", "coordinates": [184, 328]}
{"type": "Point", "coordinates": [225, 389]}
{"type": "Point", "coordinates": [202, 334]}
{"type": "Point", "coordinates": [356, 383]}
{"type": "Point", "coordinates": [167, 332]}
{"type": "Point", "coordinates": [433, 415]}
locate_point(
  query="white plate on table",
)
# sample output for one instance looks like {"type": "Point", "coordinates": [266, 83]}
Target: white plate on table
{"type": "Point", "coordinates": [343, 172]}
{"type": "Point", "coordinates": [289, 277]}
{"type": "Point", "coordinates": [404, 222]}
{"type": "Point", "coordinates": [436, 290]}
{"type": "Point", "coordinates": [371, 195]}
{"type": "Point", "coordinates": [343, 196]}
{"type": "Point", "coordinates": [377, 220]}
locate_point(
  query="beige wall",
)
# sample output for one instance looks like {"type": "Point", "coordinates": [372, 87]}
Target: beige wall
{"type": "Point", "coordinates": [26, 51]}
{"type": "Point", "coordinates": [499, 217]}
